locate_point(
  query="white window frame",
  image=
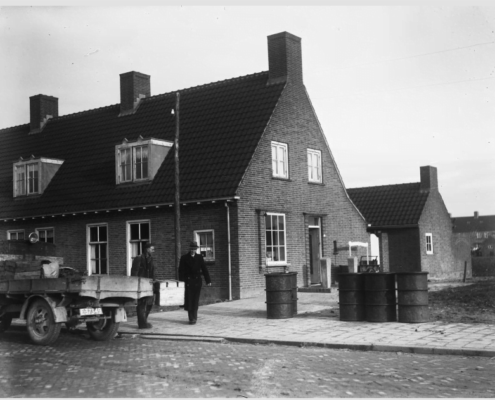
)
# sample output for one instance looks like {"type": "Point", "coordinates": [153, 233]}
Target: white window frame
{"type": "Point", "coordinates": [130, 257]}
{"type": "Point", "coordinates": [89, 243]}
{"type": "Point", "coordinates": [479, 235]}
{"type": "Point", "coordinates": [16, 231]}
{"type": "Point", "coordinates": [197, 239]}
{"type": "Point", "coordinates": [133, 148]}
{"type": "Point", "coordinates": [486, 235]}
{"type": "Point", "coordinates": [50, 228]}
{"type": "Point", "coordinates": [269, 261]}
{"type": "Point", "coordinates": [280, 168]}
{"type": "Point", "coordinates": [27, 188]}
{"type": "Point", "coordinates": [429, 243]}
{"type": "Point", "coordinates": [314, 171]}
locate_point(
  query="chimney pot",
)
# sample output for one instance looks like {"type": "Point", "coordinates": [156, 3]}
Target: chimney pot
{"type": "Point", "coordinates": [429, 178]}
{"type": "Point", "coordinates": [284, 58]}
{"type": "Point", "coordinates": [41, 108]}
{"type": "Point", "coordinates": [133, 87]}
{"type": "Point", "coordinates": [476, 215]}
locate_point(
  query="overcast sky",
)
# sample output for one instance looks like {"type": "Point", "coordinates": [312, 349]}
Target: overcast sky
{"type": "Point", "coordinates": [394, 88]}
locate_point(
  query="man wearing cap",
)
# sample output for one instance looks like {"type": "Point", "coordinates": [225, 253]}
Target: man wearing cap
{"type": "Point", "coordinates": [143, 266]}
{"type": "Point", "coordinates": [191, 266]}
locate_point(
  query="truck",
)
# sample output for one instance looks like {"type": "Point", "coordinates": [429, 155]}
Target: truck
{"type": "Point", "coordinates": [46, 304]}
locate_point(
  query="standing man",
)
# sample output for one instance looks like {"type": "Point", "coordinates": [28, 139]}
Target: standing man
{"type": "Point", "coordinates": [143, 266]}
{"type": "Point", "coordinates": [190, 268]}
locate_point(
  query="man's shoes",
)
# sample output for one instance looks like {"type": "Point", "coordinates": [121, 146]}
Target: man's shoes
{"type": "Point", "coordinates": [192, 322]}
{"type": "Point", "coordinates": [147, 326]}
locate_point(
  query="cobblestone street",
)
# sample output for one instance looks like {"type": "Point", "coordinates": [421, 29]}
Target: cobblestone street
{"type": "Point", "coordinates": [132, 366]}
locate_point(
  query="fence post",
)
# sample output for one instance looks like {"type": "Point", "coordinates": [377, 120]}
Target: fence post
{"type": "Point", "coordinates": [465, 269]}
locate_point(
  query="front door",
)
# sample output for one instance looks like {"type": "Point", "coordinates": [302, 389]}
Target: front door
{"type": "Point", "coordinates": [314, 255]}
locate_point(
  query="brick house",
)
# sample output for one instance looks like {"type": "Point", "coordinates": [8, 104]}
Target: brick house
{"type": "Point", "coordinates": [479, 231]}
{"type": "Point", "coordinates": [413, 226]}
{"type": "Point", "coordinates": [259, 188]}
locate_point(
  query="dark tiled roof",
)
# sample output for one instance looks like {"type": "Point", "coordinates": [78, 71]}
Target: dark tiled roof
{"type": "Point", "coordinates": [483, 223]}
{"type": "Point", "coordinates": [220, 127]}
{"type": "Point", "coordinates": [390, 205]}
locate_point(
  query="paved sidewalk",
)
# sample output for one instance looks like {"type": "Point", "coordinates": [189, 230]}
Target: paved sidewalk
{"type": "Point", "coordinates": [317, 324]}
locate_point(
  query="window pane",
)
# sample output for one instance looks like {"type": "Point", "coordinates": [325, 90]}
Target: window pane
{"type": "Point", "coordinates": [268, 222]}
{"type": "Point", "coordinates": [281, 238]}
{"type": "Point", "coordinates": [93, 234]}
{"type": "Point", "coordinates": [49, 236]}
{"type": "Point", "coordinates": [103, 233]}
{"type": "Point", "coordinates": [145, 231]}
{"type": "Point", "coordinates": [135, 232]}
{"type": "Point", "coordinates": [145, 162]}
{"type": "Point", "coordinates": [20, 235]}
{"type": "Point", "coordinates": [282, 254]}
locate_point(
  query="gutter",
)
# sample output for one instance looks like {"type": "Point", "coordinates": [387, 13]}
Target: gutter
{"type": "Point", "coordinates": [229, 251]}
{"type": "Point", "coordinates": [371, 228]}
{"type": "Point", "coordinates": [107, 210]}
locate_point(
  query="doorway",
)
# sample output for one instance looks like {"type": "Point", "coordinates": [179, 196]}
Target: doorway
{"type": "Point", "coordinates": [315, 254]}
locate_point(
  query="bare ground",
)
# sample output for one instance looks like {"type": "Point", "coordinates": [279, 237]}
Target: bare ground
{"type": "Point", "coordinates": [470, 303]}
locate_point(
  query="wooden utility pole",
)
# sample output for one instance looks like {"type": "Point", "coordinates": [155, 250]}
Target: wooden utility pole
{"type": "Point", "coordinates": [177, 190]}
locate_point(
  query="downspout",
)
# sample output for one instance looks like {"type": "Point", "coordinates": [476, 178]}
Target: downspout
{"type": "Point", "coordinates": [228, 252]}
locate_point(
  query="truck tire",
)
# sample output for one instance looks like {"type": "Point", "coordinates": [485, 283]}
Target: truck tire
{"type": "Point", "coordinates": [104, 329]}
{"type": "Point", "coordinates": [5, 321]}
{"type": "Point", "coordinates": [41, 324]}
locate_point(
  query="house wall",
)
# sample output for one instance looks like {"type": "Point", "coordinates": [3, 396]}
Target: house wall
{"type": "Point", "coordinates": [461, 245]}
{"type": "Point", "coordinates": [404, 249]}
{"type": "Point", "coordinates": [295, 123]}
{"type": "Point", "coordinates": [483, 267]}
{"type": "Point", "coordinates": [71, 239]}
{"type": "Point", "coordinates": [435, 219]}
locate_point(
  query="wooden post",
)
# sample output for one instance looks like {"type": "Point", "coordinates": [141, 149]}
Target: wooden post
{"type": "Point", "coordinates": [465, 270]}
{"type": "Point", "coordinates": [177, 189]}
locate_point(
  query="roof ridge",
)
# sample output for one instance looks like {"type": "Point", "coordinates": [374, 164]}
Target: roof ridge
{"type": "Point", "coordinates": [11, 128]}
{"type": "Point", "coordinates": [192, 88]}
{"type": "Point", "coordinates": [385, 186]}
{"type": "Point", "coordinates": [205, 85]}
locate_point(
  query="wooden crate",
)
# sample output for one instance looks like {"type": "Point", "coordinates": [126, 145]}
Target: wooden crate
{"type": "Point", "coordinates": [169, 293]}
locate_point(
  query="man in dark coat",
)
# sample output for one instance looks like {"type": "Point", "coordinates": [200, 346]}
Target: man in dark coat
{"type": "Point", "coordinates": [143, 266]}
{"type": "Point", "coordinates": [190, 268]}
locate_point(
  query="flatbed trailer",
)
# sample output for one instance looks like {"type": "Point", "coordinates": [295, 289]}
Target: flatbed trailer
{"type": "Point", "coordinates": [46, 304]}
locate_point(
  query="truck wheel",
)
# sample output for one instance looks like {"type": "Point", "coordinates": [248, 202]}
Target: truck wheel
{"type": "Point", "coordinates": [5, 321]}
{"type": "Point", "coordinates": [41, 324]}
{"type": "Point", "coordinates": [104, 329]}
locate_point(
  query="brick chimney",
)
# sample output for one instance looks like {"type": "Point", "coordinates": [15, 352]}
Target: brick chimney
{"type": "Point", "coordinates": [476, 215]}
{"type": "Point", "coordinates": [429, 180]}
{"type": "Point", "coordinates": [284, 58]}
{"type": "Point", "coordinates": [42, 108]}
{"type": "Point", "coordinates": [133, 87]}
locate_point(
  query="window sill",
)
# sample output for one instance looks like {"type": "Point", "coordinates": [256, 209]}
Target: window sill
{"type": "Point", "coordinates": [316, 183]}
{"type": "Point", "coordinates": [277, 178]}
{"type": "Point", "coordinates": [27, 196]}
{"type": "Point", "coordinates": [132, 184]}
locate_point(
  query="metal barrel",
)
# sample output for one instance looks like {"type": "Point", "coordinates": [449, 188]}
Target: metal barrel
{"type": "Point", "coordinates": [412, 293]}
{"type": "Point", "coordinates": [294, 292]}
{"type": "Point", "coordinates": [351, 297]}
{"type": "Point", "coordinates": [279, 295]}
{"type": "Point", "coordinates": [379, 297]}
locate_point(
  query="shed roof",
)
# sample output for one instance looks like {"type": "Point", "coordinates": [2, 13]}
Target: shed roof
{"type": "Point", "coordinates": [481, 223]}
{"type": "Point", "coordinates": [390, 205]}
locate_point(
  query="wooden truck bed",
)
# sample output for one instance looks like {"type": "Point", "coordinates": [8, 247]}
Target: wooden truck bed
{"type": "Point", "coordinates": [98, 287]}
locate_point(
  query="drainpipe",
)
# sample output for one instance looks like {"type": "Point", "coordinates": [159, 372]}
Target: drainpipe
{"type": "Point", "coordinates": [228, 241]}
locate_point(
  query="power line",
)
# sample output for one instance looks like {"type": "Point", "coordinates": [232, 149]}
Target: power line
{"type": "Point", "coordinates": [413, 56]}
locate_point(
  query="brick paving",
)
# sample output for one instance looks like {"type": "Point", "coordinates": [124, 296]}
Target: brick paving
{"type": "Point", "coordinates": [317, 323]}
{"type": "Point", "coordinates": [131, 366]}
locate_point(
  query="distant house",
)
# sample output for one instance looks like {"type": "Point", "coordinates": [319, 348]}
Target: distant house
{"type": "Point", "coordinates": [259, 188]}
{"type": "Point", "coordinates": [413, 226]}
{"type": "Point", "coordinates": [479, 231]}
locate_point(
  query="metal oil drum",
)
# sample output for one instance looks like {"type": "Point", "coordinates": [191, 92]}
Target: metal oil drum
{"type": "Point", "coordinates": [351, 297]}
{"type": "Point", "coordinates": [412, 294]}
{"type": "Point", "coordinates": [279, 295]}
{"type": "Point", "coordinates": [379, 297]}
{"type": "Point", "coordinates": [294, 292]}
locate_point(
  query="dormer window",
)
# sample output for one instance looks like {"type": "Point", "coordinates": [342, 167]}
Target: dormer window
{"type": "Point", "coordinates": [32, 176]}
{"type": "Point", "coordinates": [140, 160]}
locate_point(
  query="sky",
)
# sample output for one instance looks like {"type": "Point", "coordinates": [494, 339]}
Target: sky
{"type": "Point", "coordinates": [394, 87]}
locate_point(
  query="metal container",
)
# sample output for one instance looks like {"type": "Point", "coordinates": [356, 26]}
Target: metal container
{"type": "Point", "coordinates": [379, 297]}
{"type": "Point", "coordinates": [294, 292]}
{"type": "Point", "coordinates": [412, 293]}
{"type": "Point", "coordinates": [351, 297]}
{"type": "Point", "coordinates": [279, 295]}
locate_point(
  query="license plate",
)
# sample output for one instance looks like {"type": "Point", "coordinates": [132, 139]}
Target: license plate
{"type": "Point", "coordinates": [90, 311]}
